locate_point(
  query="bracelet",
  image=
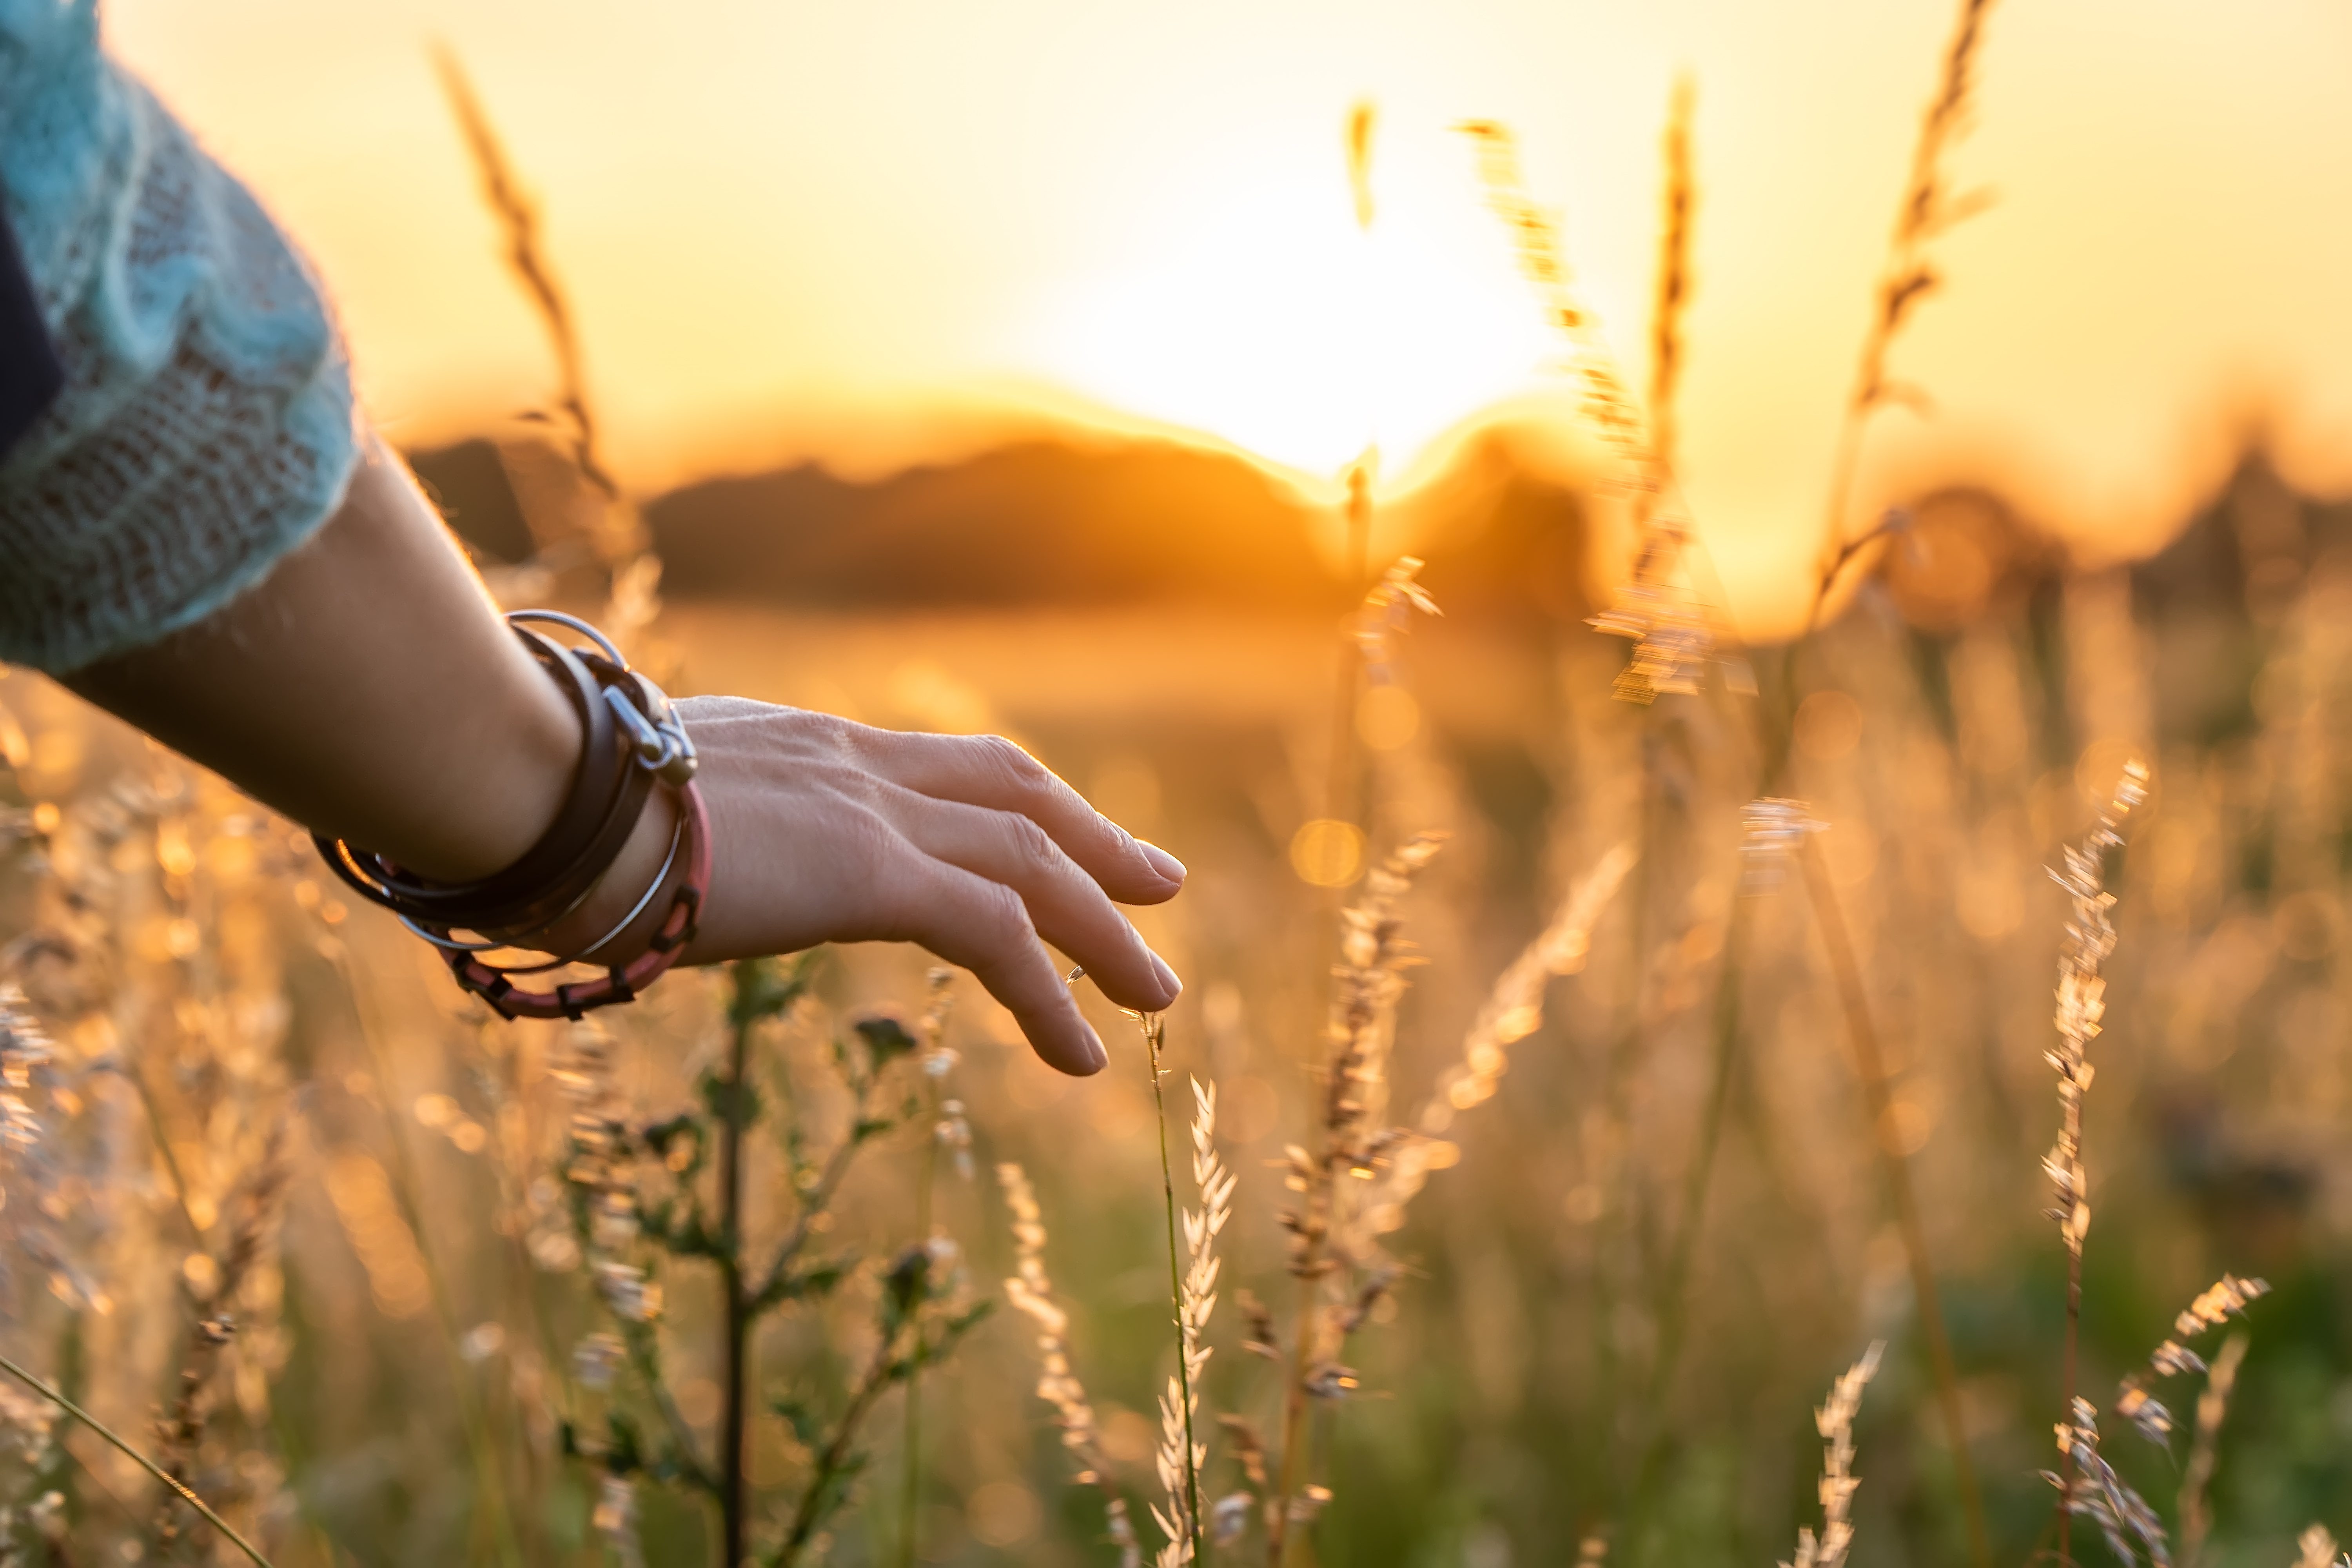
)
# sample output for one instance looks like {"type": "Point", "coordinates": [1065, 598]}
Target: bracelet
{"type": "Point", "coordinates": [621, 982]}
{"type": "Point", "coordinates": [631, 740]}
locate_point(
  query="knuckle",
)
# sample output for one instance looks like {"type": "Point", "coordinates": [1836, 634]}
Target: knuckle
{"type": "Point", "coordinates": [1000, 908]}
{"type": "Point", "coordinates": [1008, 761]}
{"type": "Point", "coordinates": [1032, 847]}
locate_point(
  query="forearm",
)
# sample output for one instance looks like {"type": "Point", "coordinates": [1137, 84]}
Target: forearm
{"type": "Point", "coordinates": [368, 690]}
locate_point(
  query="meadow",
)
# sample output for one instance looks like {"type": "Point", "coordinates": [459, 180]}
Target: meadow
{"type": "Point", "coordinates": [1636, 1099]}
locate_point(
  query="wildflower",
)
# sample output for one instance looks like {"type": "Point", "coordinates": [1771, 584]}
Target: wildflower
{"type": "Point", "coordinates": [1229, 1517]}
{"type": "Point", "coordinates": [616, 1519]}
{"type": "Point", "coordinates": [595, 1359]}
{"type": "Point", "coordinates": [627, 1291]}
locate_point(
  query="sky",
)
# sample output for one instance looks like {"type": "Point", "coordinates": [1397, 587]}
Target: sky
{"type": "Point", "coordinates": [876, 232]}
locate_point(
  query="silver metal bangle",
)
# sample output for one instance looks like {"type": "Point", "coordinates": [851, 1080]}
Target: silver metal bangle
{"type": "Point", "coordinates": [452, 945]}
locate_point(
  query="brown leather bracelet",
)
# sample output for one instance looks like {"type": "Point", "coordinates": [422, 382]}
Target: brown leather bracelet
{"type": "Point", "coordinates": [630, 738]}
{"type": "Point", "coordinates": [495, 984]}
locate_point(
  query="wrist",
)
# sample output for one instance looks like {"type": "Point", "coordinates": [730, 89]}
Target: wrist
{"type": "Point", "coordinates": [644, 860]}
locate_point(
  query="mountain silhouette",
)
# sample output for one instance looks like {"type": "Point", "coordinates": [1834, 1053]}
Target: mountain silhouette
{"type": "Point", "coordinates": [1047, 522]}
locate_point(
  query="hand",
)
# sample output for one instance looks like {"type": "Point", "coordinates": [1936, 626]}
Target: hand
{"type": "Point", "coordinates": [829, 831]}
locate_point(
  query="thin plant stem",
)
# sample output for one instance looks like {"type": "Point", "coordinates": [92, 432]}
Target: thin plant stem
{"type": "Point", "coordinates": [911, 1487]}
{"type": "Point", "coordinates": [1870, 1067]}
{"type": "Point", "coordinates": [143, 1462]}
{"type": "Point", "coordinates": [734, 1500]}
{"type": "Point", "coordinates": [1294, 1426]}
{"type": "Point", "coordinates": [2066, 1392]}
{"type": "Point", "coordinates": [1672, 293]}
{"type": "Point", "coordinates": [2212, 1406]}
{"type": "Point", "coordinates": [1155, 1034]}
{"type": "Point", "coordinates": [837, 1451]}
{"type": "Point", "coordinates": [637, 1339]}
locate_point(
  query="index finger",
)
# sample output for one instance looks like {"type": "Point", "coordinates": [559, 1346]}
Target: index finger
{"type": "Point", "coordinates": [992, 772]}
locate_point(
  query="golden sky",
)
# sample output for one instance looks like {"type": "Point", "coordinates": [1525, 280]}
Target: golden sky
{"type": "Point", "coordinates": [810, 228]}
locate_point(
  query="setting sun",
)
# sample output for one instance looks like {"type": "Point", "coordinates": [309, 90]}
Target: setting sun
{"type": "Point", "coordinates": [793, 234]}
{"type": "Point", "coordinates": [1279, 325]}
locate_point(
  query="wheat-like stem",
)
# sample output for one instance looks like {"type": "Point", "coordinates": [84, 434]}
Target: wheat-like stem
{"type": "Point", "coordinates": [1834, 1420]}
{"type": "Point", "coordinates": [503, 194]}
{"type": "Point", "coordinates": [2082, 1004]}
{"type": "Point", "coordinates": [1180, 1453]}
{"type": "Point", "coordinates": [1196, 1300]}
{"type": "Point", "coordinates": [1673, 635]}
{"type": "Point", "coordinates": [1929, 209]}
{"type": "Point", "coordinates": [184, 1432]}
{"type": "Point", "coordinates": [2226, 1299]}
{"type": "Point", "coordinates": [1674, 280]}
{"type": "Point", "coordinates": [1327, 1241]}
{"type": "Point", "coordinates": [618, 538]}
{"type": "Point", "coordinates": [1514, 1007]}
{"type": "Point", "coordinates": [2092, 1488]}
{"type": "Point", "coordinates": [1031, 1291]}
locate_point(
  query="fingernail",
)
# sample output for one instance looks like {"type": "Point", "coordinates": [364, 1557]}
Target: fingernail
{"type": "Point", "coordinates": [1168, 980]}
{"type": "Point", "coordinates": [1098, 1058]}
{"type": "Point", "coordinates": [1164, 863]}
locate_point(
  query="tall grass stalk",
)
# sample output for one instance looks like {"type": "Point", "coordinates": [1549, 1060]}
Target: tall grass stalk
{"type": "Point", "coordinates": [735, 1414]}
{"type": "Point", "coordinates": [1834, 1420]}
{"type": "Point", "coordinates": [1180, 1473]}
{"type": "Point", "coordinates": [2204, 1449]}
{"type": "Point", "coordinates": [618, 539]}
{"type": "Point", "coordinates": [1671, 296]}
{"type": "Point", "coordinates": [2081, 1006]}
{"type": "Point", "coordinates": [1340, 1270]}
{"type": "Point", "coordinates": [1031, 1291]}
{"type": "Point", "coordinates": [935, 1061]}
{"type": "Point", "coordinates": [177, 1487]}
{"type": "Point", "coordinates": [1928, 210]}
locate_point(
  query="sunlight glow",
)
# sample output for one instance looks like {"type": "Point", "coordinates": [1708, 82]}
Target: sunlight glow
{"type": "Point", "coordinates": [1279, 326]}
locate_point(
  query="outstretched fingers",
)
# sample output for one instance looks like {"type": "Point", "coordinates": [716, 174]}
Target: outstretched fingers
{"type": "Point", "coordinates": [1066, 905]}
{"type": "Point", "coordinates": [982, 926]}
{"type": "Point", "coordinates": [992, 771]}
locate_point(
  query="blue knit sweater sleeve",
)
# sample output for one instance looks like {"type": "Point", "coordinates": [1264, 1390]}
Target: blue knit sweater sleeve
{"type": "Point", "coordinates": [205, 426]}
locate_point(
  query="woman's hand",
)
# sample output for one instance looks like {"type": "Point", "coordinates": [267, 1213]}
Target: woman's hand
{"type": "Point", "coordinates": [367, 688]}
{"type": "Point", "coordinates": [829, 831]}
